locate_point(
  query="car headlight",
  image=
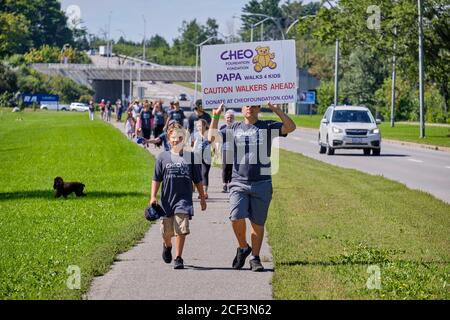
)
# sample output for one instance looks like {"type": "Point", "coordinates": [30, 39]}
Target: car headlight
{"type": "Point", "coordinates": [375, 131]}
{"type": "Point", "coordinates": [336, 130]}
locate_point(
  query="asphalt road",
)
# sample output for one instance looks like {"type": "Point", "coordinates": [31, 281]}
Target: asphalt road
{"type": "Point", "coordinates": [418, 168]}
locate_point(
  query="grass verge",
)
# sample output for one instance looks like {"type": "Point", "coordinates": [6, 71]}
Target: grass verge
{"type": "Point", "coordinates": [331, 229]}
{"type": "Point", "coordinates": [42, 236]}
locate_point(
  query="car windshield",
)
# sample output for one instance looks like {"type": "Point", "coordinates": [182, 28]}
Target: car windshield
{"type": "Point", "coordinates": [351, 116]}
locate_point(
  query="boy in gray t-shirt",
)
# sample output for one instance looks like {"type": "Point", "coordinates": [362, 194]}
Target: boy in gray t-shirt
{"type": "Point", "coordinates": [176, 171]}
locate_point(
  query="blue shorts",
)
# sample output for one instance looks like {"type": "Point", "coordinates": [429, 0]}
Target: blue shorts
{"type": "Point", "coordinates": [250, 200]}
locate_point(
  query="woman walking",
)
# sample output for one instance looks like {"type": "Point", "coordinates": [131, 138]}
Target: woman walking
{"type": "Point", "coordinates": [202, 151]}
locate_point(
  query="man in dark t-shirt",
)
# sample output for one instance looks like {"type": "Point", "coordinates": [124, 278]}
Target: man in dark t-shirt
{"type": "Point", "coordinates": [251, 182]}
{"type": "Point", "coordinates": [199, 113]}
{"type": "Point", "coordinates": [176, 114]}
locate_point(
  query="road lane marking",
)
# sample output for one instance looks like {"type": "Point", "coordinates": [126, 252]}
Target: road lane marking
{"type": "Point", "coordinates": [448, 167]}
{"type": "Point", "coordinates": [415, 160]}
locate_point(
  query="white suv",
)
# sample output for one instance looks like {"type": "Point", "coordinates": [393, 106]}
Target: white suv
{"type": "Point", "coordinates": [349, 127]}
{"type": "Point", "coordinates": [78, 106]}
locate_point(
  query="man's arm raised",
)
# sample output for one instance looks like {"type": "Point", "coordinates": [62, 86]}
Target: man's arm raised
{"type": "Point", "coordinates": [212, 132]}
{"type": "Point", "coordinates": [288, 125]}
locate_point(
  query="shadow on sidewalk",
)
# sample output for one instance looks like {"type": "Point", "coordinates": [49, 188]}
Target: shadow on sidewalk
{"type": "Point", "coordinates": [220, 268]}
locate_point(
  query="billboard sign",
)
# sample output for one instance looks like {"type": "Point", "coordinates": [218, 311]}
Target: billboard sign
{"type": "Point", "coordinates": [252, 73]}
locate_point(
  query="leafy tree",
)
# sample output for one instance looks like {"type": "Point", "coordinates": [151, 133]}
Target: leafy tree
{"type": "Point", "coordinates": [47, 54]}
{"type": "Point", "coordinates": [284, 15]}
{"type": "Point", "coordinates": [8, 79]}
{"type": "Point", "coordinates": [14, 33]}
{"type": "Point", "coordinates": [157, 41]}
{"type": "Point", "coordinates": [348, 21]}
{"type": "Point", "coordinates": [47, 22]}
{"type": "Point", "coordinates": [365, 76]}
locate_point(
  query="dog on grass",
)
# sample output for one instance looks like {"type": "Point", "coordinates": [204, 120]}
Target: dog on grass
{"type": "Point", "coordinates": [65, 188]}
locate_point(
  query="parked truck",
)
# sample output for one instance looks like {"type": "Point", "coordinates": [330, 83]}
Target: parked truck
{"type": "Point", "coordinates": [105, 51]}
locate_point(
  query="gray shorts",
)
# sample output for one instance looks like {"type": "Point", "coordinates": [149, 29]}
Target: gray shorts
{"type": "Point", "coordinates": [250, 201]}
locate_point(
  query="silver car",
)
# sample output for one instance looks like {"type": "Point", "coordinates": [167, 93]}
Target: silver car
{"type": "Point", "coordinates": [349, 127]}
{"type": "Point", "coordinates": [78, 106]}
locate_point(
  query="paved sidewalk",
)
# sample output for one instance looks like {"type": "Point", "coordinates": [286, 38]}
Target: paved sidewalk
{"type": "Point", "coordinates": [141, 273]}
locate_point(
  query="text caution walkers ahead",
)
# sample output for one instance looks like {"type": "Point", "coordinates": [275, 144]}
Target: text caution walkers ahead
{"type": "Point", "coordinates": [251, 73]}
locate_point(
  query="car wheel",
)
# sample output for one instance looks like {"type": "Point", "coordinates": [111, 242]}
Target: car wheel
{"type": "Point", "coordinates": [323, 149]}
{"type": "Point", "coordinates": [330, 150]}
{"type": "Point", "coordinates": [366, 152]}
{"type": "Point", "coordinates": [376, 152]}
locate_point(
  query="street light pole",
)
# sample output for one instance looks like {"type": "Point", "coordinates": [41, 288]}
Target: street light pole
{"type": "Point", "coordinates": [276, 20]}
{"type": "Point", "coordinates": [262, 32]}
{"type": "Point", "coordinates": [197, 46]}
{"type": "Point", "coordinates": [421, 75]}
{"type": "Point", "coordinates": [336, 74]}
{"type": "Point", "coordinates": [145, 30]}
{"type": "Point", "coordinates": [394, 58]}
{"type": "Point", "coordinates": [108, 43]}
{"type": "Point", "coordinates": [196, 72]}
{"type": "Point", "coordinates": [131, 84]}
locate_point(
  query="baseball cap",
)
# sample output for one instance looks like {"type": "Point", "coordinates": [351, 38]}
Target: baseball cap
{"type": "Point", "coordinates": [171, 122]}
{"type": "Point", "coordinates": [199, 103]}
{"type": "Point", "coordinates": [154, 212]}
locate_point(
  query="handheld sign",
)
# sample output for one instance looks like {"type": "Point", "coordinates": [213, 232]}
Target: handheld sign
{"type": "Point", "coordinates": [252, 73]}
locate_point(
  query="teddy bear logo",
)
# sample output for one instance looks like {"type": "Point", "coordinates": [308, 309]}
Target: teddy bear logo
{"type": "Point", "coordinates": [263, 59]}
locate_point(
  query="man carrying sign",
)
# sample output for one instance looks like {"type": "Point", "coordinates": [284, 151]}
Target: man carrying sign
{"type": "Point", "coordinates": [251, 183]}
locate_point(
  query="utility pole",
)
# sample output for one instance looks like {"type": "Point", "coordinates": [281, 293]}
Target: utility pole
{"type": "Point", "coordinates": [421, 75]}
{"type": "Point", "coordinates": [393, 81]}
{"type": "Point", "coordinates": [262, 32]}
{"type": "Point", "coordinates": [336, 74]}
{"type": "Point", "coordinates": [145, 30]}
{"type": "Point", "coordinates": [108, 42]}
{"type": "Point", "coordinates": [197, 47]}
{"type": "Point", "coordinates": [131, 83]}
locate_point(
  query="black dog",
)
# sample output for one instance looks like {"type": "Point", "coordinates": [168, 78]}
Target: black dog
{"type": "Point", "coordinates": [65, 188]}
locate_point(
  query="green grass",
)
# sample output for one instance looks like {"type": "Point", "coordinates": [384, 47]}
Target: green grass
{"type": "Point", "coordinates": [434, 135]}
{"type": "Point", "coordinates": [190, 85]}
{"type": "Point", "coordinates": [327, 225]}
{"type": "Point", "coordinates": [41, 236]}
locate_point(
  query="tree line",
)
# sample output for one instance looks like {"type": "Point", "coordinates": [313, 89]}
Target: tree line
{"type": "Point", "coordinates": [370, 32]}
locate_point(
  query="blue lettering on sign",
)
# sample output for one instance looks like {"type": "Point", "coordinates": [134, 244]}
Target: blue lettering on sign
{"type": "Point", "coordinates": [228, 77]}
{"type": "Point", "coordinates": [236, 54]}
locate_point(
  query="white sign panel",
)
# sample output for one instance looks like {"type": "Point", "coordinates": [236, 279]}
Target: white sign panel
{"type": "Point", "coordinates": [252, 73]}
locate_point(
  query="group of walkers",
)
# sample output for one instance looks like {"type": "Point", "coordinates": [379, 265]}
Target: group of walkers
{"type": "Point", "coordinates": [244, 148]}
{"type": "Point", "coordinates": [106, 110]}
{"type": "Point", "coordinates": [189, 146]}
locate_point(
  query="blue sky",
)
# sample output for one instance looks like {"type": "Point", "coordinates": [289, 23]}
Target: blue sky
{"type": "Point", "coordinates": [164, 17]}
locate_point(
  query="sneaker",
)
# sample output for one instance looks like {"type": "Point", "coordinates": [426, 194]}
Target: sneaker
{"type": "Point", "coordinates": [241, 255]}
{"type": "Point", "coordinates": [255, 265]}
{"type": "Point", "coordinates": [178, 263]}
{"type": "Point", "coordinates": [167, 254]}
